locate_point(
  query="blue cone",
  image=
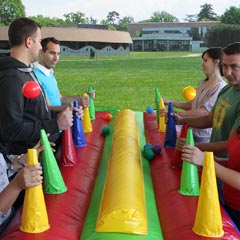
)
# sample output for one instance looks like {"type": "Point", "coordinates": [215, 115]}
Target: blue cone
{"type": "Point", "coordinates": [78, 133]}
{"type": "Point", "coordinates": [171, 133]}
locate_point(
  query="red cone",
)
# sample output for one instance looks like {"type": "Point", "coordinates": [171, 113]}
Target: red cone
{"type": "Point", "coordinates": [68, 152]}
{"type": "Point", "coordinates": [177, 161]}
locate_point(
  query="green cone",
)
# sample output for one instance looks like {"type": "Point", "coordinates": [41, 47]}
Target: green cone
{"type": "Point", "coordinates": [92, 106]}
{"type": "Point", "coordinates": [53, 181]}
{"type": "Point", "coordinates": [157, 102]}
{"type": "Point", "coordinates": [189, 184]}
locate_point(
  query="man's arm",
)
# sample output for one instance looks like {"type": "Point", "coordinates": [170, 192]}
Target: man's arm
{"type": "Point", "coordinates": [204, 121]}
{"type": "Point", "coordinates": [216, 148]}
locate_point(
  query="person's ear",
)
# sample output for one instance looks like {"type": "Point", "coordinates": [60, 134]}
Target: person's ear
{"type": "Point", "coordinates": [217, 61]}
{"type": "Point", "coordinates": [27, 42]}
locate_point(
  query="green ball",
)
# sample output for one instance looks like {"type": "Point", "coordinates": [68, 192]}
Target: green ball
{"type": "Point", "coordinates": [105, 130]}
{"type": "Point", "coordinates": [148, 153]}
{"type": "Point", "coordinates": [148, 145]}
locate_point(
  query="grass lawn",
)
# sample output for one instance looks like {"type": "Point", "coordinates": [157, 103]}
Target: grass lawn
{"type": "Point", "coordinates": [129, 81]}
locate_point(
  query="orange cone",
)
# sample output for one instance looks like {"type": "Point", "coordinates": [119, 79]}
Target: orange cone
{"type": "Point", "coordinates": [177, 157]}
{"type": "Point", "coordinates": [68, 151]}
{"type": "Point", "coordinates": [189, 184]}
{"type": "Point", "coordinates": [208, 221]}
{"type": "Point", "coordinates": [34, 214]}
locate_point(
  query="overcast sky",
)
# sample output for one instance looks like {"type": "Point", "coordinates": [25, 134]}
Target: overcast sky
{"type": "Point", "coordinates": [138, 9]}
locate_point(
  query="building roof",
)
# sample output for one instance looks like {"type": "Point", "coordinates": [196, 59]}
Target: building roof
{"type": "Point", "coordinates": [134, 27]}
{"type": "Point", "coordinates": [73, 34]}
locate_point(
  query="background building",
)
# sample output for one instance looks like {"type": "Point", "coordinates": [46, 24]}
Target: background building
{"type": "Point", "coordinates": [81, 41]}
{"type": "Point", "coordinates": [187, 36]}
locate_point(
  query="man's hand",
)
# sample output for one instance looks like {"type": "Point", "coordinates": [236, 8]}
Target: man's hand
{"type": "Point", "coordinates": [180, 143]}
{"type": "Point", "coordinates": [84, 101]}
{"type": "Point", "coordinates": [65, 119]}
{"type": "Point", "coordinates": [79, 112]}
{"type": "Point", "coordinates": [192, 154]}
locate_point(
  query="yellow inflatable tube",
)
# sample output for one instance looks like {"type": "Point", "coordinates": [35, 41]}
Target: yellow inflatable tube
{"type": "Point", "coordinates": [123, 207]}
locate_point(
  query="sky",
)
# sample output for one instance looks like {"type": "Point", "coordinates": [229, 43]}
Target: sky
{"type": "Point", "coordinates": [137, 9]}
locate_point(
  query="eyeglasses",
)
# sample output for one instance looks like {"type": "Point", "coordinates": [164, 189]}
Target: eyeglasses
{"type": "Point", "coordinates": [234, 67]}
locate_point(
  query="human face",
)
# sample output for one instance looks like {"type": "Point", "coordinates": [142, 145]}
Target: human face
{"type": "Point", "coordinates": [50, 58]}
{"type": "Point", "coordinates": [35, 45]}
{"type": "Point", "coordinates": [231, 69]}
{"type": "Point", "coordinates": [209, 65]}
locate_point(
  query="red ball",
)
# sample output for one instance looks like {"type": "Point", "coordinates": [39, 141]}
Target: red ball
{"type": "Point", "coordinates": [31, 89]}
{"type": "Point", "coordinates": [108, 116]}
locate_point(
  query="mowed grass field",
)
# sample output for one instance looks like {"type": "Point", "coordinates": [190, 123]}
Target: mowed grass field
{"type": "Point", "coordinates": [130, 81]}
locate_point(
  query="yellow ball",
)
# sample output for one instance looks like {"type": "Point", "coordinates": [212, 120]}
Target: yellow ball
{"type": "Point", "coordinates": [189, 93]}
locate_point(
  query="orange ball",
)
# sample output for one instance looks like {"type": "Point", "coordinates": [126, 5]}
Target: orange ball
{"type": "Point", "coordinates": [189, 93]}
{"type": "Point", "coordinates": [108, 116]}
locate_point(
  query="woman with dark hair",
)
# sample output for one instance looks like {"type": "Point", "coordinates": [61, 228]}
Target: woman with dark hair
{"type": "Point", "coordinates": [206, 92]}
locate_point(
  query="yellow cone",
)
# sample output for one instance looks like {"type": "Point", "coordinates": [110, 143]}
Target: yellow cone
{"type": "Point", "coordinates": [86, 121]}
{"type": "Point", "coordinates": [34, 215]}
{"type": "Point", "coordinates": [208, 221]}
{"type": "Point", "coordinates": [162, 124]}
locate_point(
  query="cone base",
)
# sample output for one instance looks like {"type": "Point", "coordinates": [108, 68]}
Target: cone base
{"type": "Point", "coordinates": [87, 130]}
{"type": "Point", "coordinates": [56, 192]}
{"type": "Point", "coordinates": [37, 230]}
{"type": "Point", "coordinates": [204, 232]}
{"type": "Point", "coordinates": [187, 193]}
{"type": "Point", "coordinates": [68, 164]}
{"type": "Point", "coordinates": [82, 145]}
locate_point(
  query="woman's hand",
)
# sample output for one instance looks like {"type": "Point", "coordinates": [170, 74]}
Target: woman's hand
{"type": "Point", "coordinates": [192, 154]}
{"type": "Point", "coordinates": [29, 176]}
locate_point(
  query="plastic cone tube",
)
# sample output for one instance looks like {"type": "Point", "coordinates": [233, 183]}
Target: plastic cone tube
{"type": "Point", "coordinates": [189, 184]}
{"type": "Point", "coordinates": [171, 133]}
{"type": "Point", "coordinates": [208, 221]}
{"type": "Point", "coordinates": [53, 181]}
{"type": "Point", "coordinates": [34, 214]}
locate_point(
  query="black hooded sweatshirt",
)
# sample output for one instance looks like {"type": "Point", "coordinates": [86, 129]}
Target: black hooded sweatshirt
{"type": "Point", "coordinates": [21, 118]}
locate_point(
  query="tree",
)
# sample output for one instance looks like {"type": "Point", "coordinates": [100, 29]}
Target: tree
{"type": "Point", "coordinates": [231, 16]}
{"type": "Point", "coordinates": [112, 17]}
{"type": "Point", "coordinates": [206, 13]}
{"type": "Point", "coordinates": [76, 18]}
{"type": "Point", "coordinates": [48, 22]}
{"type": "Point", "coordinates": [191, 18]}
{"type": "Point", "coordinates": [222, 35]}
{"type": "Point", "coordinates": [91, 20]}
{"type": "Point", "coordinates": [11, 9]}
{"type": "Point", "coordinates": [124, 22]}
{"type": "Point", "coordinates": [162, 17]}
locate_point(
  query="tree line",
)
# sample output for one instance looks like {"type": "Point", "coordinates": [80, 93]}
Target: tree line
{"type": "Point", "coordinates": [227, 30]}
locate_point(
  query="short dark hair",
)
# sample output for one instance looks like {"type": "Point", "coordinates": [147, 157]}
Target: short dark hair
{"type": "Point", "coordinates": [232, 48]}
{"type": "Point", "coordinates": [20, 29]}
{"type": "Point", "coordinates": [215, 53]}
{"type": "Point", "coordinates": [45, 41]}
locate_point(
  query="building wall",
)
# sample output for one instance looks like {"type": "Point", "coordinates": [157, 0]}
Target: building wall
{"type": "Point", "coordinates": [86, 51]}
{"type": "Point", "coordinates": [169, 36]}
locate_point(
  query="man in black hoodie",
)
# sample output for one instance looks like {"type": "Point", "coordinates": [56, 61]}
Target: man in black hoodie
{"type": "Point", "coordinates": [21, 118]}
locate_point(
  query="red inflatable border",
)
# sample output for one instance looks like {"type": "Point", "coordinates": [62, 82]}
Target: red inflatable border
{"type": "Point", "coordinates": [67, 211]}
{"type": "Point", "coordinates": [176, 212]}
